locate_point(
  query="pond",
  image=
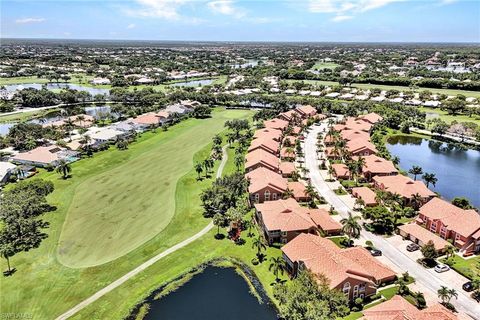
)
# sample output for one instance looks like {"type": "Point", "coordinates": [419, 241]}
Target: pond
{"type": "Point", "coordinates": [53, 86]}
{"type": "Point", "coordinates": [457, 170]}
{"type": "Point", "coordinates": [193, 83]}
{"type": "Point", "coordinates": [216, 293]}
{"type": "Point", "coordinates": [96, 111]}
{"type": "Point", "coordinates": [249, 63]}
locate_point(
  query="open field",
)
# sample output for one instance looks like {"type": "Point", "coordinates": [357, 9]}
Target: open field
{"type": "Point", "coordinates": [325, 65]}
{"type": "Point", "coordinates": [451, 92]}
{"type": "Point", "coordinates": [63, 287]}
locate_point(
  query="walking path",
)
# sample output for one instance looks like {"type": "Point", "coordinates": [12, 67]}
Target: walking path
{"type": "Point", "coordinates": [427, 278]}
{"type": "Point", "coordinates": [147, 263]}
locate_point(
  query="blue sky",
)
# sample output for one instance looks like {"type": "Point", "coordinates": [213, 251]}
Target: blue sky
{"type": "Point", "coordinates": [224, 20]}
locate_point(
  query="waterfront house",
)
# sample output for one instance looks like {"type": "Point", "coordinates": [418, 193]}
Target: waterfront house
{"type": "Point", "coordinates": [283, 220]}
{"type": "Point", "coordinates": [405, 187]}
{"type": "Point", "coordinates": [460, 226]}
{"type": "Point", "coordinates": [352, 271]}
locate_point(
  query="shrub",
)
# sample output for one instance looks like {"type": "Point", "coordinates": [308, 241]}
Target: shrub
{"type": "Point", "coordinates": [255, 261]}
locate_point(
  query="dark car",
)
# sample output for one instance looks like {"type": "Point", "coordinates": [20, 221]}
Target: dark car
{"type": "Point", "coordinates": [375, 252]}
{"type": "Point", "coordinates": [413, 247]}
{"type": "Point", "coordinates": [468, 286]}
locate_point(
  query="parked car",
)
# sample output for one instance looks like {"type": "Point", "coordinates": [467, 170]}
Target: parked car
{"type": "Point", "coordinates": [441, 268]}
{"type": "Point", "coordinates": [375, 252]}
{"type": "Point", "coordinates": [413, 247]}
{"type": "Point", "coordinates": [468, 286]}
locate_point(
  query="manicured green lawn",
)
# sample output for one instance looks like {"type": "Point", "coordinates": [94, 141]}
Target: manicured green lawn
{"type": "Point", "coordinates": [339, 241]}
{"type": "Point", "coordinates": [448, 118]}
{"type": "Point", "coordinates": [25, 115]}
{"type": "Point", "coordinates": [469, 268]}
{"type": "Point", "coordinates": [325, 65]}
{"type": "Point", "coordinates": [45, 288]}
{"type": "Point", "coordinates": [18, 80]}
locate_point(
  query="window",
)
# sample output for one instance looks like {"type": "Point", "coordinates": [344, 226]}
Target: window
{"type": "Point", "coordinates": [274, 196]}
{"type": "Point", "coordinates": [355, 291]}
{"type": "Point", "coordinates": [284, 233]}
{"type": "Point", "coordinates": [267, 195]}
{"type": "Point", "coordinates": [443, 232]}
{"type": "Point", "coordinates": [433, 227]}
{"type": "Point", "coordinates": [257, 198]}
{"type": "Point", "coordinates": [362, 287]}
{"type": "Point", "coordinates": [346, 288]}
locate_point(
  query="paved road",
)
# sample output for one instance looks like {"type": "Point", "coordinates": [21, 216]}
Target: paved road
{"type": "Point", "coordinates": [147, 263]}
{"type": "Point", "coordinates": [448, 136]}
{"type": "Point", "coordinates": [425, 277]}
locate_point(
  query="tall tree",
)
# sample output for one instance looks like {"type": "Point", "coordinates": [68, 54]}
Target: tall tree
{"type": "Point", "coordinates": [415, 171]}
{"type": "Point", "coordinates": [351, 227]}
{"type": "Point", "coordinates": [277, 266]}
{"type": "Point", "coordinates": [64, 168]}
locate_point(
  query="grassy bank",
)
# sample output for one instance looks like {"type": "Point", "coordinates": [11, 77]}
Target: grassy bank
{"type": "Point", "coordinates": [45, 288]}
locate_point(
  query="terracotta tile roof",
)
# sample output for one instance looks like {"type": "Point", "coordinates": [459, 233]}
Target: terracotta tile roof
{"type": "Point", "coordinates": [321, 255]}
{"type": "Point", "coordinates": [323, 219]}
{"type": "Point", "coordinates": [348, 134]}
{"type": "Point", "coordinates": [404, 186]}
{"type": "Point", "coordinates": [288, 115]}
{"type": "Point", "coordinates": [292, 139]}
{"type": "Point", "coordinates": [276, 124]}
{"type": "Point", "coordinates": [371, 118]}
{"type": "Point", "coordinates": [285, 153]}
{"type": "Point", "coordinates": [424, 235]}
{"type": "Point", "coordinates": [298, 189]}
{"type": "Point", "coordinates": [395, 308]}
{"type": "Point", "coordinates": [296, 130]}
{"type": "Point", "coordinates": [267, 144]}
{"type": "Point", "coordinates": [398, 308]}
{"type": "Point", "coordinates": [163, 114]}
{"type": "Point", "coordinates": [366, 194]}
{"type": "Point", "coordinates": [269, 133]}
{"type": "Point", "coordinates": [360, 144]}
{"type": "Point", "coordinates": [259, 156]}
{"type": "Point", "coordinates": [284, 215]}
{"type": "Point", "coordinates": [341, 170]}
{"type": "Point", "coordinates": [464, 222]}
{"type": "Point", "coordinates": [355, 124]}
{"type": "Point", "coordinates": [147, 118]}
{"type": "Point", "coordinates": [307, 110]}
{"type": "Point", "coordinates": [377, 165]}
{"type": "Point", "coordinates": [261, 178]}
{"type": "Point", "coordinates": [287, 167]}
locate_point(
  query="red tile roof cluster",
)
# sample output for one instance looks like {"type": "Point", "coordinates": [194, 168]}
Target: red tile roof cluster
{"type": "Point", "coordinates": [366, 194]}
{"type": "Point", "coordinates": [266, 144]}
{"type": "Point", "coordinates": [322, 256]}
{"type": "Point", "coordinates": [423, 235]}
{"type": "Point", "coordinates": [341, 170]}
{"type": "Point", "coordinates": [288, 215]}
{"type": "Point", "coordinates": [261, 178]}
{"type": "Point", "coordinates": [276, 123]}
{"type": "Point", "coordinates": [404, 186]}
{"type": "Point", "coordinates": [307, 110]}
{"type": "Point", "coordinates": [371, 118]}
{"type": "Point", "coordinates": [268, 133]}
{"type": "Point", "coordinates": [287, 168]}
{"type": "Point", "coordinates": [377, 165]}
{"type": "Point", "coordinates": [262, 158]}
{"type": "Point", "coordinates": [398, 308]}
{"type": "Point", "coordinates": [464, 222]}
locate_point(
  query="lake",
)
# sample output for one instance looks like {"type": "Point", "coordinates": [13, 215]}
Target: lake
{"type": "Point", "coordinates": [52, 86]}
{"type": "Point", "coordinates": [193, 83]}
{"type": "Point", "coordinates": [216, 293]}
{"type": "Point", "coordinates": [457, 170]}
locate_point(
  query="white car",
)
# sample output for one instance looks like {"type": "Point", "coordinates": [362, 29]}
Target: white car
{"type": "Point", "coordinates": [441, 268]}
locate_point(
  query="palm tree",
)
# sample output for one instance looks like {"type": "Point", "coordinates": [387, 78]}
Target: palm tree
{"type": "Point", "coordinates": [430, 178]}
{"type": "Point", "coordinates": [331, 172]}
{"type": "Point", "coordinates": [449, 251]}
{"type": "Point", "coordinates": [310, 191]}
{"type": "Point", "coordinates": [259, 245]}
{"type": "Point", "coordinates": [288, 193]}
{"type": "Point", "coordinates": [416, 201]}
{"type": "Point", "coordinates": [198, 169]}
{"type": "Point", "coordinates": [444, 294]}
{"type": "Point", "coordinates": [396, 160]}
{"type": "Point", "coordinates": [451, 294]}
{"type": "Point", "coordinates": [351, 227]}
{"type": "Point", "coordinates": [359, 203]}
{"type": "Point", "coordinates": [64, 168]}
{"type": "Point", "coordinates": [277, 265]}
{"type": "Point", "coordinates": [415, 171]}
{"type": "Point", "coordinates": [239, 161]}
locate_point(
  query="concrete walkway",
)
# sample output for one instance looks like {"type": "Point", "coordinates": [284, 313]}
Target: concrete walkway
{"type": "Point", "coordinates": [147, 263]}
{"type": "Point", "coordinates": [427, 278]}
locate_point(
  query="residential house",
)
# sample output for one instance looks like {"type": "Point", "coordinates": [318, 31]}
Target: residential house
{"type": "Point", "coordinates": [371, 118]}
{"type": "Point", "coordinates": [352, 271]}
{"type": "Point", "coordinates": [377, 166]}
{"type": "Point", "coordinates": [422, 236]}
{"type": "Point", "coordinates": [361, 147]}
{"type": "Point", "coordinates": [44, 156]}
{"type": "Point", "coordinates": [306, 111]}
{"type": "Point", "coordinates": [268, 133]}
{"type": "Point", "coordinates": [265, 185]}
{"type": "Point", "coordinates": [340, 171]}
{"type": "Point", "coordinates": [398, 308]}
{"type": "Point", "coordinates": [287, 169]}
{"type": "Point", "coordinates": [261, 159]}
{"type": "Point", "coordinates": [283, 220]}
{"type": "Point", "coordinates": [405, 187]}
{"type": "Point", "coordinates": [266, 144]}
{"type": "Point", "coordinates": [276, 123]}
{"type": "Point", "coordinates": [450, 222]}
{"type": "Point", "coordinates": [366, 194]}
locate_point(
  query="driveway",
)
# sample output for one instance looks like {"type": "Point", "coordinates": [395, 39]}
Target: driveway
{"type": "Point", "coordinates": [429, 280]}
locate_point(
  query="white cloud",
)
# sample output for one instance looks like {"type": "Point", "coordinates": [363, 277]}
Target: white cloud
{"type": "Point", "coordinates": [166, 9]}
{"type": "Point", "coordinates": [30, 20]}
{"type": "Point", "coordinates": [341, 18]}
{"type": "Point", "coordinates": [131, 26]}
{"type": "Point", "coordinates": [226, 7]}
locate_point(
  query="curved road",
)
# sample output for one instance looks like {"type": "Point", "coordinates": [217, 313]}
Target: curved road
{"type": "Point", "coordinates": [147, 263]}
{"type": "Point", "coordinates": [423, 276]}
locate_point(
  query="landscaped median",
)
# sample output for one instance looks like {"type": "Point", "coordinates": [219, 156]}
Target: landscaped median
{"type": "Point", "coordinates": [45, 288]}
